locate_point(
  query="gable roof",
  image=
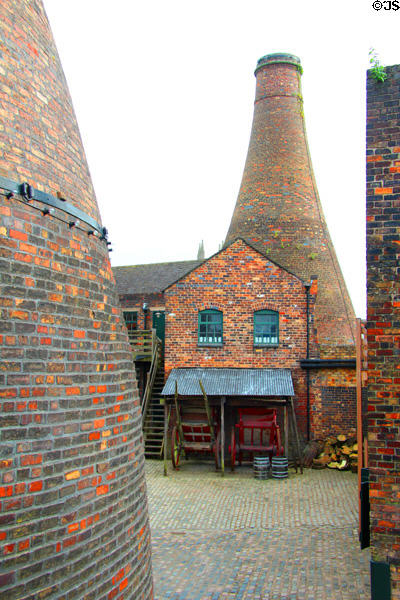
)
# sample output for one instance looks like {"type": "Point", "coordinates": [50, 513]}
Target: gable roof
{"type": "Point", "coordinates": [157, 277]}
{"type": "Point", "coordinates": [147, 279]}
{"type": "Point", "coordinates": [223, 250]}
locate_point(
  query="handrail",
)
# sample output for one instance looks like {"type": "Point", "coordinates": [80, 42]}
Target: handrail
{"type": "Point", "coordinates": [138, 332]}
{"type": "Point", "coordinates": [142, 335]}
{"type": "Point", "coordinates": [142, 342]}
{"type": "Point", "coordinates": [166, 427]}
{"type": "Point", "coordinates": [151, 376]}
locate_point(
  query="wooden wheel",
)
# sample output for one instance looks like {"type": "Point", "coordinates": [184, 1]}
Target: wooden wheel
{"type": "Point", "coordinates": [217, 452]}
{"type": "Point", "coordinates": [232, 449]}
{"type": "Point", "coordinates": [175, 448]}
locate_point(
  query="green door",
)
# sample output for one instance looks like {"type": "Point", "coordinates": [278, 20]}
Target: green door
{"type": "Point", "coordinates": [159, 325]}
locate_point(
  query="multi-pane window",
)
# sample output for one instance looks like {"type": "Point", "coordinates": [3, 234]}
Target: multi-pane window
{"type": "Point", "coordinates": [130, 317]}
{"type": "Point", "coordinates": [210, 327]}
{"type": "Point", "coordinates": [266, 328]}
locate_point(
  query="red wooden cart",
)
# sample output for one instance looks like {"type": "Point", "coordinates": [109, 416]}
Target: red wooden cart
{"type": "Point", "coordinates": [257, 432]}
{"type": "Point", "coordinates": [196, 430]}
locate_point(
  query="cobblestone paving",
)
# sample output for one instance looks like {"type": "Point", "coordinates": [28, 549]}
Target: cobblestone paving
{"type": "Point", "coordinates": [237, 538]}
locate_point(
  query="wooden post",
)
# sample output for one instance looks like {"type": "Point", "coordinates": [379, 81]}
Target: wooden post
{"type": "Point", "coordinates": [296, 434]}
{"type": "Point", "coordinates": [208, 411]}
{"type": "Point", "coordinates": [222, 436]}
{"type": "Point", "coordinates": [178, 421]}
{"type": "Point", "coordinates": [165, 438]}
{"type": "Point", "coordinates": [365, 452]}
{"type": "Point", "coordinates": [359, 416]}
{"type": "Point", "coordinates": [286, 424]}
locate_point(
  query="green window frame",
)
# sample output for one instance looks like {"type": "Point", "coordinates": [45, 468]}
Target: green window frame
{"type": "Point", "coordinates": [210, 327]}
{"type": "Point", "coordinates": [266, 328]}
{"type": "Point", "coordinates": [131, 319]}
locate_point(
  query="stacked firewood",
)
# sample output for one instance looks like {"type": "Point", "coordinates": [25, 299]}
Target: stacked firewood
{"type": "Point", "coordinates": [335, 452]}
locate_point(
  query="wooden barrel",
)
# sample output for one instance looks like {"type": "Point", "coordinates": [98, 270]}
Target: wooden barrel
{"type": "Point", "coordinates": [261, 467]}
{"type": "Point", "coordinates": [280, 467]}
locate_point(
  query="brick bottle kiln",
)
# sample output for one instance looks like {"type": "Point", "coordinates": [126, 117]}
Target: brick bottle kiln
{"type": "Point", "coordinates": [278, 211]}
{"type": "Point", "coordinates": [73, 518]}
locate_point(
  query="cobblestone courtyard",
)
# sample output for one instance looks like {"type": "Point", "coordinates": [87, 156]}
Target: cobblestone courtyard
{"type": "Point", "coordinates": [237, 538]}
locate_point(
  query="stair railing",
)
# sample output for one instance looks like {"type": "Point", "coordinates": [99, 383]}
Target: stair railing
{"type": "Point", "coordinates": [142, 343]}
{"type": "Point", "coordinates": [151, 376]}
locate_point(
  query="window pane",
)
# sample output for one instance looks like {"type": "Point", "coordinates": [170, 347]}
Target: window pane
{"type": "Point", "coordinates": [130, 320]}
{"type": "Point", "coordinates": [266, 328]}
{"type": "Point", "coordinates": [210, 327]}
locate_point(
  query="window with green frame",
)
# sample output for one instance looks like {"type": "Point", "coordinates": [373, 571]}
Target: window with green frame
{"type": "Point", "coordinates": [130, 317]}
{"type": "Point", "coordinates": [210, 327]}
{"type": "Point", "coordinates": [266, 328]}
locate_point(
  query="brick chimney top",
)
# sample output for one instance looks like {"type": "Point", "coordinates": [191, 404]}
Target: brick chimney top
{"type": "Point", "coordinates": [278, 57]}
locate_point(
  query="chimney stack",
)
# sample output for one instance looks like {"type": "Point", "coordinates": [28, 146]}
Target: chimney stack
{"type": "Point", "coordinates": [278, 209]}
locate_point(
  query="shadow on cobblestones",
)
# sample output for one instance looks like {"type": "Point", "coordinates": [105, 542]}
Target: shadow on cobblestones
{"type": "Point", "coordinates": [237, 538]}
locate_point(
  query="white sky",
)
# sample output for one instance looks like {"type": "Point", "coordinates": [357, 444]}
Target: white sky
{"type": "Point", "coordinates": [164, 92]}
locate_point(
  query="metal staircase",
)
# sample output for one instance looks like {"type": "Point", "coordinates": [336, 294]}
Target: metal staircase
{"type": "Point", "coordinates": [153, 425]}
{"type": "Point", "coordinates": [152, 410]}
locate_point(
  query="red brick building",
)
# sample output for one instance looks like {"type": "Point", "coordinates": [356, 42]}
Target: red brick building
{"type": "Point", "coordinates": [258, 281]}
{"type": "Point", "coordinates": [240, 309]}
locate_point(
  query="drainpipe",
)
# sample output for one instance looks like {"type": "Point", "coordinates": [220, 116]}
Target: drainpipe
{"type": "Point", "coordinates": [307, 287]}
{"type": "Point", "coordinates": [145, 309]}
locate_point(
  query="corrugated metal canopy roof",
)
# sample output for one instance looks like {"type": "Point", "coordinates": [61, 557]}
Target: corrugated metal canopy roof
{"type": "Point", "coordinates": [230, 382]}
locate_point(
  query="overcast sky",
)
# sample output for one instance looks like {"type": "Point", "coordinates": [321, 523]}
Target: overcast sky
{"type": "Point", "coordinates": [164, 91]}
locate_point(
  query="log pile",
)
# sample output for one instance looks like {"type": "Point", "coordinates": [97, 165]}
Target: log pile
{"type": "Point", "coordinates": [336, 452]}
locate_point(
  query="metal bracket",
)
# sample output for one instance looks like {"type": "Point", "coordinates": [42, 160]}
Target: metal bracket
{"type": "Point", "coordinates": [29, 193]}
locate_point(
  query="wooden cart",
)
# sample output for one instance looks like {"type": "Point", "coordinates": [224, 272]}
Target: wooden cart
{"type": "Point", "coordinates": [257, 432]}
{"type": "Point", "coordinates": [196, 430]}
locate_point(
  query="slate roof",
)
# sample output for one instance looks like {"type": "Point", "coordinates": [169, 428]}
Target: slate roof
{"type": "Point", "coordinates": [147, 279]}
{"type": "Point", "coordinates": [230, 382]}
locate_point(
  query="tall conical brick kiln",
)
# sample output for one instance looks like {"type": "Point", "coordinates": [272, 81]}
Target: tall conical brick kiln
{"type": "Point", "coordinates": [278, 209]}
{"type": "Point", "coordinates": [74, 520]}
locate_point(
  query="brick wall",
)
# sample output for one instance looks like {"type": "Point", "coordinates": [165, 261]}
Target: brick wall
{"type": "Point", "coordinates": [383, 317]}
{"type": "Point", "coordinates": [135, 302]}
{"type": "Point", "coordinates": [73, 510]}
{"type": "Point", "coordinates": [238, 281]}
{"type": "Point", "coordinates": [72, 478]}
{"type": "Point", "coordinates": [37, 112]}
{"type": "Point", "coordinates": [334, 406]}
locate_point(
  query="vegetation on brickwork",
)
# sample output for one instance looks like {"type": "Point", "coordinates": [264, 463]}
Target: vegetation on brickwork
{"type": "Point", "coordinates": [301, 110]}
{"type": "Point", "coordinates": [377, 70]}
